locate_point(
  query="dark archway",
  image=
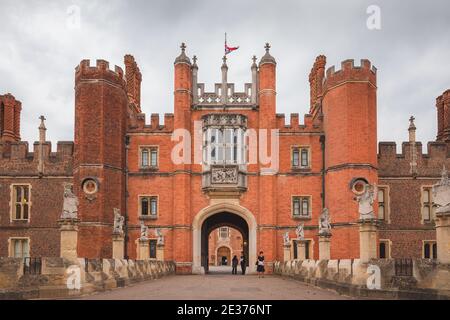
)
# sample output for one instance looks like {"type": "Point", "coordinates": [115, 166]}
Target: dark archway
{"type": "Point", "coordinates": [222, 219]}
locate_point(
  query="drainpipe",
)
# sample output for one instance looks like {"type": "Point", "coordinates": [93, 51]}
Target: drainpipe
{"type": "Point", "coordinates": [127, 147]}
{"type": "Point", "coordinates": [322, 145]}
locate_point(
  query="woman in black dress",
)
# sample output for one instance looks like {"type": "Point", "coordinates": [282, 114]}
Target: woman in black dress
{"type": "Point", "coordinates": [260, 265]}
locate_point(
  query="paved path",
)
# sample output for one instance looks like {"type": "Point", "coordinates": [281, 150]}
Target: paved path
{"type": "Point", "coordinates": [219, 286]}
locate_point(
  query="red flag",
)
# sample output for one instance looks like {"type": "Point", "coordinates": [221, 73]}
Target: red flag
{"type": "Point", "coordinates": [227, 48]}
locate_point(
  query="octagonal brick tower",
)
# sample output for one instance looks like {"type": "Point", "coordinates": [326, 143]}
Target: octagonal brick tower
{"type": "Point", "coordinates": [100, 126]}
{"type": "Point", "coordinates": [350, 124]}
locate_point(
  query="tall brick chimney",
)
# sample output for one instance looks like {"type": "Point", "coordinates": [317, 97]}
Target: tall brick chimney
{"type": "Point", "coordinates": [10, 110]}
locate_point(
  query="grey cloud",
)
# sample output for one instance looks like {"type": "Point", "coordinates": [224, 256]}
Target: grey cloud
{"type": "Point", "coordinates": [411, 51]}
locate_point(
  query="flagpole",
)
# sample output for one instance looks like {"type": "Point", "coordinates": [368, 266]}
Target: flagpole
{"type": "Point", "coordinates": [225, 43]}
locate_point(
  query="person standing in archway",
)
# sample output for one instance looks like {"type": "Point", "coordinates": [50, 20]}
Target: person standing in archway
{"type": "Point", "coordinates": [260, 265]}
{"type": "Point", "coordinates": [234, 264]}
{"type": "Point", "coordinates": [243, 263]}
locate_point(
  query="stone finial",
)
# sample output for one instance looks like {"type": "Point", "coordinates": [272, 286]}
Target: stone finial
{"type": "Point", "coordinates": [267, 58]}
{"type": "Point", "coordinates": [42, 130]}
{"type": "Point", "coordinates": [224, 64]}
{"type": "Point", "coordinates": [194, 59]}
{"type": "Point", "coordinates": [254, 65]}
{"type": "Point", "coordinates": [412, 126]}
{"type": "Point", "coordinates": [183, 58]}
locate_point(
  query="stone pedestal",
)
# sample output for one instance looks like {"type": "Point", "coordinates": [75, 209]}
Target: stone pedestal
{"type": "Point", "coordinates": [367, 240]}
{"type": "Point", "coordinates": [118, 246]}
{"type": "Point", "coordinates": [301, 250]}
{"type": "Point", "coordinates": [143, 249]}
{"type": "Point", "coordinates": [443, 237]}
{"type": "Point", "coordinates": [287, 253]}
{"type": "Point", "coordinates": [324, 247]}
{"type": "Point", "coordinates": [69, 238]}
{"type": "Point", "coordinates": [160, 252]}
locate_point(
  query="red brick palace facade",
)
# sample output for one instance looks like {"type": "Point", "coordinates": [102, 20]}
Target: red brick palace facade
{"type": "Point", "coordinates": [118, 160]}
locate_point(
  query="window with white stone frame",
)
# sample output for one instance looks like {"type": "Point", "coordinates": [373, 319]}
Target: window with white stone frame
{"type": "Point", "coordinates": [300, 157]}
{"type": "Point", "coordinates": [427, 204]}
{"type": "Point", "coordinates": [383, 203]}
{"type": "Point", "coordinates": [149, 157]}
{"type": "Point", "coordinates": [148, 206]}
{"type": "Point", "coordinates": [224, 232]}
{"type": "Point", "coordinates": [20, 202]}
{"type": "Point", "coordinates": [301, 206]}
{"type": "Point", "coordinates": [19, 247]}
{"type": "Point", "coordinates": [224, 146]}
{"type": "Point", "coordinates": [429, 250]}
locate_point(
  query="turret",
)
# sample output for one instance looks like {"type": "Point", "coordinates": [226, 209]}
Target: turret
{"type": "Point", "coordinates": [101, 104]}
{"type": "Point", "coordinates": [182, 193]}
{"type": "Point", "coordinates": [182, 89]}
{"type": "Point", "coordinates": [267, 90]}
{"type": "Point", "coordinates": [350, 124]}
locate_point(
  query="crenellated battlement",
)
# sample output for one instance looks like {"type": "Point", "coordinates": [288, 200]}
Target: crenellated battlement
{"type": "Point", "coordinates": [295, 125]}
{"type": "Point", "coordinates": [16, 159]}
{"type": "Point", "coordinates": [350, 72]}
{"type": "Point", "coordinates": [20, 151]}
{"type": "Point", "coordinates": [155, 125]}
{"type": "Point", "coordinates": [84, 71]}
{"type": "Point", "coordinates": [392, 163]}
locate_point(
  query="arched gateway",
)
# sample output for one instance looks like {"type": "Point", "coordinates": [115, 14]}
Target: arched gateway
{"type": "Point", "coordinates": [217, 215]}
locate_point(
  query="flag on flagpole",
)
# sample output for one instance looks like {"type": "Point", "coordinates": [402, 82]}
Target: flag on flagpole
{"type": "Point", "coordinates": [227, 48]}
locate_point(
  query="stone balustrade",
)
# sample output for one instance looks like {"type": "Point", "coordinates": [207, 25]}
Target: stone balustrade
{"type": "Point", "coordinates": [379, 278]}
{"type": "Point", "coordinates": [61, 278]}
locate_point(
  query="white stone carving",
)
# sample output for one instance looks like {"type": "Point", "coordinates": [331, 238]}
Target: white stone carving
{"type": "Point", "coordinates": [441, 193]}
{"type": "Point", "coordinates": [325, 223]}
{"type": "Point", "coordinates": [70, 206]}
{"type": "Point", "coordinates": [224, 175]}
{"type": "Point", "coordinates": [160, 237]}
{"type": "Point", "coordinates": [144, 232]}
{"type": "Point", "coordinates": [300, 231]}
{"type": "Point", "coordinates": [118, 222]}
{"type": "Point", "coordinates": [365, 201]}
{"type": "Point", "coordinates": [286, 239]}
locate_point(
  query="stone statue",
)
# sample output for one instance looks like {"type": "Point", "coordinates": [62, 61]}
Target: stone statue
{"type": "Point", "coordinates": [144, 232]}
{"type": "Point", "coordinates": [160, 237]}
{"type": "Point", "coordinates": [300, 231]}
{"type": "Point", "coordinates": [365, 201]}
{"type": "Point", "coordinates": [441, 193]}
{"type": "Point", "coordinates": [70, 206]}
{"type": "Point", "coordinates": [325, 223]}
{"type": "Point", "coordinates": [286, 240]}
{"type": "Point", "coordinates": [118, 222]}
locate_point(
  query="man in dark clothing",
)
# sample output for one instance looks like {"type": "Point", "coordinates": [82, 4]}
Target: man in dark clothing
{"type": "Point", "coordinates": [234, 264]}
{"type": "Point", "coordinates": [243, 264]}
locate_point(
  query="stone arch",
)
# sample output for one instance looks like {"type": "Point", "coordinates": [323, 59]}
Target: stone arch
{"type": "Point", "coordinates": [230, 250]}
{"type": "Point", "coordinates": [218, 208]}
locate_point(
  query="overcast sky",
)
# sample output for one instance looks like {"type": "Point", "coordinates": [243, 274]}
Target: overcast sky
{"type": "Point", "coordinates": [40, 46]}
